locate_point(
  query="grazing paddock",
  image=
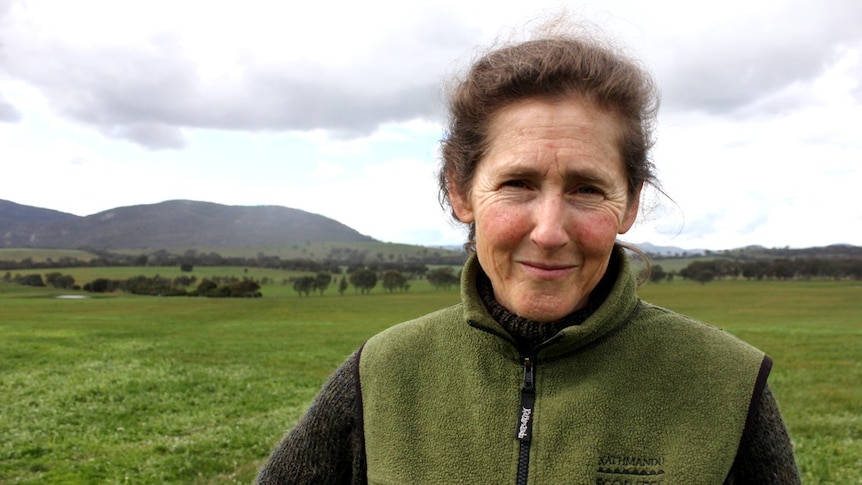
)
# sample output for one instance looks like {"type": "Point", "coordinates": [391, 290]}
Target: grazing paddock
{"type": "Point", "coordinates": [128, 389]}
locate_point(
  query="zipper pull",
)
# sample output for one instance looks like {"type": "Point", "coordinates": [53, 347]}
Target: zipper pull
{"type": "Point", "coordinates": [524, 428]}
{"type": "Point", "coordinates": [529, 375]}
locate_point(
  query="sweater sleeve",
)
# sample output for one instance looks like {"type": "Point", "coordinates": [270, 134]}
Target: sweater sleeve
{"type": "Point", "coordinates": [325, 446]}
{"type": "Point", "coordinates": [765, 455]}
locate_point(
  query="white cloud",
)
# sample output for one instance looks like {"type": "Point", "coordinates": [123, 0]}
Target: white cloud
{"type": "Point", "coordinates": [326, 170]}
{"type": "Point", "coordinates": [387, 200]}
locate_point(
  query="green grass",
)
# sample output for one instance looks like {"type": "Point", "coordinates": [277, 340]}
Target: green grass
{"type": "Point", "coordinates": [85, 275]}
{"type": "Point", "coordinates": [125, 389]}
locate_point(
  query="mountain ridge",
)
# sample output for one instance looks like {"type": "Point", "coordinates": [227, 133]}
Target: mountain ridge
{"type": "Point", "coordinates": [12, 213]}
{"type": "Point", "coordinates": [172, 223]}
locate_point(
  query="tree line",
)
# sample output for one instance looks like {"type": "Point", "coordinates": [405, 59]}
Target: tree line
{"type": "Point", "coordinates": [218, 287]}
{"type": "Point", "coordinates": [363, 279]}
{"type": "Point", "coordinates": [227, 287]}
{"type": "Point", "coordinates": [777, 269]}
{"type": "Point", "coordinates": [194, 258]}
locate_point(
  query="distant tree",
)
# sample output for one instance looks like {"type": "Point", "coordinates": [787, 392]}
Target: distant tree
{"type": "Point", "coordinates": [693, 270]}
{"type": "Point", "coordinates": [321, 282]}
{"type": "Point", "coordinates": [782, 269]}
{"type": "Point", "coordinates": [394, 280]}
{"type": "Point", "coordinates": [58, 280]}
{"type": "Point", "coordinates": [244, 289]}
{"type": "Point", "coordinates": [51, 277]}
{"type": "Point", "coordinates": [206, 287]}
{"type": "Point", "coordinates": [153, 286]}
{"type": "Point", "coordinates": [364, 280]}
{"type": "Point", "coordinates": [99, 285]}
{"type": "Point", "coordinates": [442, 277]}
{"type": "Point", "coordinates": [211, 259]}
{"type": "Point", "coordinates": [342, 286]}
{"type": "Point", "coordinates": [187, 267]}
{"type": "Point", "coordinates": [657, 274]}
{"type": "Point", "coordinates": [30, 280]}
{"type": "Point", "coordinates": [65, 282]}
{"type": "Point", "coordinates": [184, 281]}
{"type": "Point", "coordinates": [304, 285]}
{"type": "Point", "coordinates": [853, 268]}
{"type": "Point", "coordinates": [704, 276]}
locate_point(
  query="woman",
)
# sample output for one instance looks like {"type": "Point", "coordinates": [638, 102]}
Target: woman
{"type": "Point", "coordinates": [550, 370]}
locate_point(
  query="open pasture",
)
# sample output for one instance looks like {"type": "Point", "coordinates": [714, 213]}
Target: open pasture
{"type": "Point", "coordinates": [127, 389]}
{"type": "Point", "coordinates": [85, 275]}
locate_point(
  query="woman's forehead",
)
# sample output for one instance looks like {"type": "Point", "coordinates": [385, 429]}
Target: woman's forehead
{"type": "Point", "coordinates": [534, 133]}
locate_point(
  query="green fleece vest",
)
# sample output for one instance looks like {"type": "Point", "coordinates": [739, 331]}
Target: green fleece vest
{"type": "Point", "coordinates": [635, 395]}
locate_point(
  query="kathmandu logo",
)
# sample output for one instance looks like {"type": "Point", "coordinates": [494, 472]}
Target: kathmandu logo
{"type": "Point", "coordinates": [524, 429]}
{"type": "Point", "coordinates": [630, 470]}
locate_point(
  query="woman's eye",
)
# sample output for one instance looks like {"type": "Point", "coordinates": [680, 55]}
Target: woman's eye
{"type": "Point", "coordinates": [515, 183]}
{"type": "Point", "coordinates": [587, 190]}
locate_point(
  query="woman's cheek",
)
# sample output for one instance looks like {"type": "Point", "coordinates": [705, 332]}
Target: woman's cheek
{"type": "Point", "coordinates": [596, 232]}
{"type": "Point", "coordinates": [504, 224]}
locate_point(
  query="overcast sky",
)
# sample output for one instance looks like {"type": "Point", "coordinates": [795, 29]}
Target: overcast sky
{"type": "Point", "coordinates": [336, 108]}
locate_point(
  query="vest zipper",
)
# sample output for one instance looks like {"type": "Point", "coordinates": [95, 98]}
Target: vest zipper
{"type": "Point", "coordinates": [524, 428]}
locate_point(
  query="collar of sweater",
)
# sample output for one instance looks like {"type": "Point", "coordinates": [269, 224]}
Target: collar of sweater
{"type": "Point", "coordinates": [610, 304]}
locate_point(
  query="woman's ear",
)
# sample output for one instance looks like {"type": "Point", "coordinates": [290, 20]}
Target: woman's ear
{"type": "Point", "coordinates": [631, 212]}
{"type": "Point", "coordinates": [461, 205]}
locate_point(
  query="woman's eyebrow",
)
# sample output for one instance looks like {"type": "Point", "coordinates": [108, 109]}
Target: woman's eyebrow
{"type": "Point", "coordinates": [586, 176]}
{"type": "Point", "coordinates": [521, 172]}
{"type": "Point", "coordinates": [528, 171]}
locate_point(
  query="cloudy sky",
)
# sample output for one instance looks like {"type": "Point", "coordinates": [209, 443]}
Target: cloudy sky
{"type": "Point", "coordinates": [336, 108]}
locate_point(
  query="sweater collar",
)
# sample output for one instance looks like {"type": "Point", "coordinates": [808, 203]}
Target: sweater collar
{"type": "Point", "coordinates": [610, 305]}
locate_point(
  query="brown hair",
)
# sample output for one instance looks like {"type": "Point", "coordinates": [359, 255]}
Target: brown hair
{"type": "Point", "coordinates": [552, 67]}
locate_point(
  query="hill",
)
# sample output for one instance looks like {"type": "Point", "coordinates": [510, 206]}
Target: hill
{"type": "Point", "coordinates": [176, 223]}
{"type": "Point", "coordinates": [12, 214]}
{"type": "Point", "coordinates": [668, 251]}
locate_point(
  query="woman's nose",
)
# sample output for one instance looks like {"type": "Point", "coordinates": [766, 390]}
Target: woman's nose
{"type": "Point", "coordinates": [549, 224]}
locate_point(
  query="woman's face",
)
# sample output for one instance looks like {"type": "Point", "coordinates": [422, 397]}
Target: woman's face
{"type": "Point", "coordinates": [548, 200]}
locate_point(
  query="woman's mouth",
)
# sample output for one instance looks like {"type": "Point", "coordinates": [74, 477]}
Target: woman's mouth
{"type": "Point", "coordinates": [547, 270]}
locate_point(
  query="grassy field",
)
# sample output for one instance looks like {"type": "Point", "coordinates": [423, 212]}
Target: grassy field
{"type": "Point", "coordinates": [125, 389]}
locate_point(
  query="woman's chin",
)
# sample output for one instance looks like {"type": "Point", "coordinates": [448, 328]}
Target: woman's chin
{"type": "Point", "coordinates": [545, 311]}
